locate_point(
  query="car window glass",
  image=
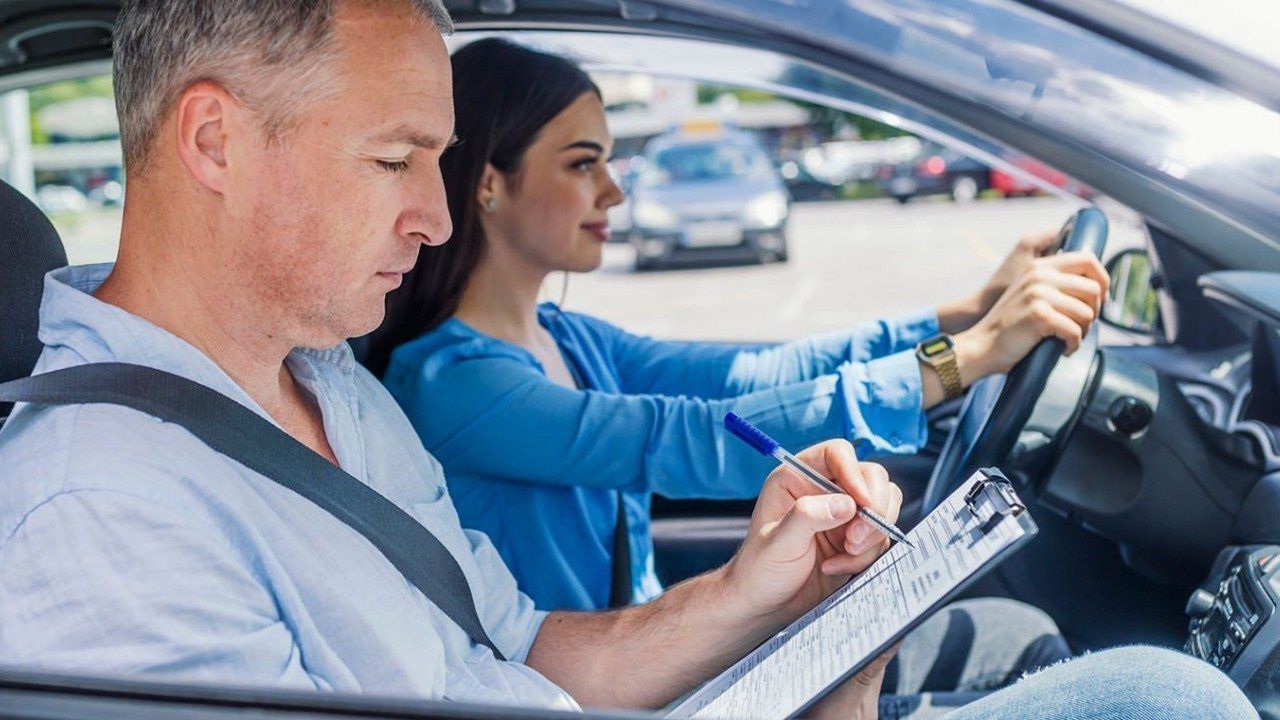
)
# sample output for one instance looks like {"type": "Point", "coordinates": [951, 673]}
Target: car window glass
{"type": "Point", "coordinates": [852, 206]}
{"type": "Point", "coordinates": [1160, 121]}
{"type": "Point", "coordinates": [755, 214]}
{"type": "Point", "coordinates": [63, 143]}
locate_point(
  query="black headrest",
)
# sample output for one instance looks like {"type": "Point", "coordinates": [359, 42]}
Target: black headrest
{"type": "Point", "coordinates": [30, 247]}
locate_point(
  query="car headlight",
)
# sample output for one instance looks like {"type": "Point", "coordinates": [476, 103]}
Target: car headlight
{"type": "Point", "coordinates": [766, 211]}
{"type": "Point", "coordinates": [649, 214]}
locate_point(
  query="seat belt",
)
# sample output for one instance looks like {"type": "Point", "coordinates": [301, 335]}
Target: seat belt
{"type": "Point", "coordinates": [620, 576]}
{"type": "Point", "coordinates": [239, 433]}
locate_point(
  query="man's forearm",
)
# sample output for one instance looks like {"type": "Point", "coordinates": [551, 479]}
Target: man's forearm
{"type": "Point", "coordinates": [647, 656]}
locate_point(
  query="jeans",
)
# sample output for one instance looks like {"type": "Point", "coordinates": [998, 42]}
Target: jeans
{"type": "Point", "coordinates": [965, 651]}
{"type": "Point", "coordinates": [1128, 683]}
{"type": "Point", "coordinates": [955, 663]}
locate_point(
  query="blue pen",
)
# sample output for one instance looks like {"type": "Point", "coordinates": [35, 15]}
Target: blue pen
{"type": "Point", "coordinates": [765, 445]}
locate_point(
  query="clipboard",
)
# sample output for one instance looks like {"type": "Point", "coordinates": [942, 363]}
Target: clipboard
{"type": "Point", "coordinates": [984, 522]}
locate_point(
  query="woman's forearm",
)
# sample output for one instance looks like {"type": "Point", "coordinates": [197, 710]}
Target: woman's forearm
{"type": "Point", "coordinates": [960, 315]}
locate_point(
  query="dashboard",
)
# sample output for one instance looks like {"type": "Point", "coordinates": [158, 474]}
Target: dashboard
{"type": "Point", "coordinates": [1233, 619]}
{"type": "Point", "coordinates": [1241, 395]}
{"type": "Point", "coordinates": [1241, 398]}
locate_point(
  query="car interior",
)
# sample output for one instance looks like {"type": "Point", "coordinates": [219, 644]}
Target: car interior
{"type": "Point", "coordinates": [1151, 456]}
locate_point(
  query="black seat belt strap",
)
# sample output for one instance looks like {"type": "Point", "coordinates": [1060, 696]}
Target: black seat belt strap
{"type": "Point", "coordinates": [237, 432]}
{"type": "Point", "coordinates": [620, 577]}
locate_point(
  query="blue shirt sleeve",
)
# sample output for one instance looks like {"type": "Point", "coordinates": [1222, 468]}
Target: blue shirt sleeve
{"type": "Point", "coordinates": [710, 370]}
{"type": "Point", "coordinates": [501, 418]}
{"type": "Point", "coordinates": [139, 591]}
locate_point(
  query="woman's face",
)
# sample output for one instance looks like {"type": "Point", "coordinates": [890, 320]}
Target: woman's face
{"type": "Point", "coordinates": [552, 212]}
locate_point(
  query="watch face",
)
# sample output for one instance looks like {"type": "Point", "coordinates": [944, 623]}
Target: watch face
{"type": "Point", "coordinates": [936, 346]}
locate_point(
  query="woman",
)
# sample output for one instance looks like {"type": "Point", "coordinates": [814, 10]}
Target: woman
{"type": "Point", "coordinates": [556, 427]}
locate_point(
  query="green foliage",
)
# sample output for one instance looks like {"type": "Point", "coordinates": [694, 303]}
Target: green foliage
{"type": "Point", "coordinates": [830, 120]}
{"type": "Point", "coordinates": [45, 95]}
{"type": "Point", "coordinates": [863, 190]}
{"type": "Point", "coordinates": [1138, 308]}
{"type": "Point", "coordinates": [708, 94]}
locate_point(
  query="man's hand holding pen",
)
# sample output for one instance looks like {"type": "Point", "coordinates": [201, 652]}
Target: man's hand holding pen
{"type": "Point", "coordinates": [802, 542]}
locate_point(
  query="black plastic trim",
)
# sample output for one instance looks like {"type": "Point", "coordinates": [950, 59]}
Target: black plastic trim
{"type": "Point", "coordinates": [1255, 293]}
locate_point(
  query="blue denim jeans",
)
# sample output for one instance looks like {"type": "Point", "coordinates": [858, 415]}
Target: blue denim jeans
{"type": "Point", "coordinates": [955, 665]}
{"type": "Point", "coordinates": [1127, 683]}
{"type": "Point", "coordinates": [964, 652]}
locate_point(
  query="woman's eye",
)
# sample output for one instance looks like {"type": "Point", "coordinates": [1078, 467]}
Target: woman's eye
{"type": "Point", "coordinates": [395, 166]}
{"type": "Point", "coordinates": [585, 164]}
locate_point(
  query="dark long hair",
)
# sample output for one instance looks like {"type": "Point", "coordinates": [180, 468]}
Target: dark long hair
{"type": "Point", "coordinates": [503, 95]}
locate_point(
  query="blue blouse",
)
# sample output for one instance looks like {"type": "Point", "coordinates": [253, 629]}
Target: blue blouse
{"type": "Point", "coordinates": [538, 467]}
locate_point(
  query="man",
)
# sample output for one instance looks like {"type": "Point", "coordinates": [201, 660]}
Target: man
{"type": "Point", "coordinates": [282, 160]}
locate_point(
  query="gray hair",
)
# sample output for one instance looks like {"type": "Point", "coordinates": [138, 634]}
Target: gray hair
{"type": "Point", "coordinates": [270, 54]}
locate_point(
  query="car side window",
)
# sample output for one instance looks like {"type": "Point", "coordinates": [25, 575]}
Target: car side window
{"type": "Point", "coordinates": [63, 142]}
{"type": "Point", "coordinates": [754, 217]}
{"type": "Point", "coordinates": [750, 216]}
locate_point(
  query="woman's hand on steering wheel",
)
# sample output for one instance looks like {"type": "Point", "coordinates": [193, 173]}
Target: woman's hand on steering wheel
{"type": "Point", "coordinates": [1056, 296]}
{"type": "Point", "coordinates": [1017, 263]}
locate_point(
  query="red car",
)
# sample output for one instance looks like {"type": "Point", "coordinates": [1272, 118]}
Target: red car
{"type": "Point", "coordinates": [1010, 185]}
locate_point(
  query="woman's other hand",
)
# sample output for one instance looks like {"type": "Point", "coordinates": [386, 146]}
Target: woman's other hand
{"type": "Point", "coordinates": [955, 317]}
{"type": "Point", "coordinates": [1056, 296]}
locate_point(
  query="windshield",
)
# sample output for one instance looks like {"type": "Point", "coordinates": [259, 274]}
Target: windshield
{"type": "Point", "coordinates": [704, 162]}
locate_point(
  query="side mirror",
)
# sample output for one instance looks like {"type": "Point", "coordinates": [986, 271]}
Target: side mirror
{"type": "Point", "coordinates": [1132, 303]}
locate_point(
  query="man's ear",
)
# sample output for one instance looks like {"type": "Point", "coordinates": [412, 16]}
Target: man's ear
{"type": "Point", "coordinates": [205, 118]}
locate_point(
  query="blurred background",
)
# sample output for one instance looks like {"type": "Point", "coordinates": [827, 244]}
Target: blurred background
{"type": "Point", "coordinates": [750, 217]}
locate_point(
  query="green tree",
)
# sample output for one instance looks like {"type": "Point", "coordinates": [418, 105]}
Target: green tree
{"type": "Point", "coordinates": [62, 91]}
{"type": "Point", "coordinates": [830, 121]}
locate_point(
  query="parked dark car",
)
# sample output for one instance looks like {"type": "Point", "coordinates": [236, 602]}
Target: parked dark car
{"type": "Point", "coordinates": [804, 186]}
{"type": "Point", "coordinates": [935, 171]}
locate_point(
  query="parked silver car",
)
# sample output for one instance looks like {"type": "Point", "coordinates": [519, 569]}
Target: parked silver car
{"type": "Point", "coordinates": [701, 195]}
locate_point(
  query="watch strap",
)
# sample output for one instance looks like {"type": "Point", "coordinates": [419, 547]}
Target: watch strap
{"type": "Point", "coordinates": [949, 373]}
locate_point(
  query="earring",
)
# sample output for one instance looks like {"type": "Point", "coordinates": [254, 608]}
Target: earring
{"type": "Point", "coordinates": [490, 204]}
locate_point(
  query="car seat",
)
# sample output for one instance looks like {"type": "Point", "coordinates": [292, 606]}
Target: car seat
{"type": "Point", "coordinates": [29, 248]}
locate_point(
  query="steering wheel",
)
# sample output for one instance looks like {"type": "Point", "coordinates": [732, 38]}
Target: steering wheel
{"type": "Point", "coordinates": [998, 407]}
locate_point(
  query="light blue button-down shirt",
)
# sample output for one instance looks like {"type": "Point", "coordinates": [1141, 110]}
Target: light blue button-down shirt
{"type": "Point", "coordinates": [129, 547]}
{"type": "Point", "coordinates": [538, 467]}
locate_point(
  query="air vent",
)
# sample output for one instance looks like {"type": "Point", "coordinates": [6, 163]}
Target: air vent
{"type": "Point", "coordinates": [1208, 404]}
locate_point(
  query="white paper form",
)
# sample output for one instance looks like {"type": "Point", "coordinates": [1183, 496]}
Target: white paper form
{"type": "Point", "coordinates": [788, 671]}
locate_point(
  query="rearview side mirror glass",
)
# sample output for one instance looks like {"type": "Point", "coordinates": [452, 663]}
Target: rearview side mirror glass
{"type": "Point", "coordinates": [1132, 303]}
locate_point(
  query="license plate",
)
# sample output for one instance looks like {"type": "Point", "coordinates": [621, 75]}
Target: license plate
{"type": "Point", "coordinates": [717, 233]}
{"type": "Point", "coordinates": [902, 186]}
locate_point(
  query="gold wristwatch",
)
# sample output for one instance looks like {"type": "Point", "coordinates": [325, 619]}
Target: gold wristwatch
{"type": "Point", "coordinates": [938, 352]}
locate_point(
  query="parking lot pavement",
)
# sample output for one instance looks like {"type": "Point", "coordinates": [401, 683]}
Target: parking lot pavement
{"type": "Point", "coordinates": [850, 261]}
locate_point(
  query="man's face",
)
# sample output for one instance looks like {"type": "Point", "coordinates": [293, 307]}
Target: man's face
{"type": "Point", "coordinates": [332, 215]}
